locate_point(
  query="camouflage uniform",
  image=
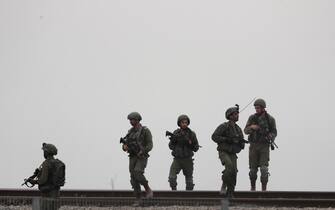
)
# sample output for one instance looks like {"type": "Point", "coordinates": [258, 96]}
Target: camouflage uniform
{"type": "Point", "coordinates": [228, 136]}
{"type": "Point", "coordinates": [259, 150]}
{"type": "Point", "coordinates": [138, 162]}
{"type": "Point", "coordinates": [45, 175]}
{"type": "Point", "coordinates": [182, 151]}
{"type": "Point", "coordinates": [44, 179]}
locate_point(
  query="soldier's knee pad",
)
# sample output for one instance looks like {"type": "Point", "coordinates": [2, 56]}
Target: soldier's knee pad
{"type": "Point", "coordinates": [137, 175]}
{"type": "Point", "coordinates": [253, 173]}
{"type": "Point", "coordinates": [264, 174]}
{"type": "Point", "coordinates": [229, 171]}
{"type": "Point", "coordinates": [264, 171]}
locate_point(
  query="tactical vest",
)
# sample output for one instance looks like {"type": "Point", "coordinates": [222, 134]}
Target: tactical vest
{"type": "Point", "coordinates": [259, 136]}
{"type": "Point", "coordinates": [180, 146]}
{"type": "Point", "coordinates": [137, 139]}
{"type": "Point", "coordinates": [231, 132]}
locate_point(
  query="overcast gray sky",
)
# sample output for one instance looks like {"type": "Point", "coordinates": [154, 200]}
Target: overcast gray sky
{"type": "Point", "coordinates": [71, 71]}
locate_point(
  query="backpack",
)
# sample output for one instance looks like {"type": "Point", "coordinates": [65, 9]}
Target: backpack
{"type": "Point", "coordinates": [58, 178]}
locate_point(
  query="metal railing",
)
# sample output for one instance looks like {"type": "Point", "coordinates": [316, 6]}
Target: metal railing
{"type": "Point", "coordinates": [84, 203]}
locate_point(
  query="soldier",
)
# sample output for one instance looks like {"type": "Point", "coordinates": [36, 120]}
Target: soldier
{"type": "Point", "coordinates": [229, 137]}
{"type": "Point", "coordinates": [261, 128]}
{"type": "Point", "coordinates": [50, 177]}
{"type": "Point", "coordinates": [183, 143]}
{"type": "Point", "coordinates": [138, 144]}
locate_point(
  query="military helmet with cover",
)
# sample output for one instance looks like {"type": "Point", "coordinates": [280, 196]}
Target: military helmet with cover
{"type": "Point", "coordinates": [49, 148]}
{"type": "Point", "coordinates": [134, 116]}
{"type": "Point", "coordinates": [260, 102]}
{"type": "Point", "coordinates": [183, 117]}
{"type": "Point", "coordinates": [232, 110]}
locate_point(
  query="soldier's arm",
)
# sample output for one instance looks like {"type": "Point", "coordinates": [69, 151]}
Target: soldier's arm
{"type": "Point", "coordinates": [43, 177]}
{"type": "Point", "coordinates": [241, 136]}
{"type": "Point", "coordinates": [148, 141]}
{"type": "Point", "coordinates": [175, 136]}
{"type": "Point", "coordinates": [274, 128]}
{"type": "Point", "coordinates": [172, 145]}
{"type": "Point", "coordinates": [218, 134]}
{"type": "Point", "coordinates": [248, 130]}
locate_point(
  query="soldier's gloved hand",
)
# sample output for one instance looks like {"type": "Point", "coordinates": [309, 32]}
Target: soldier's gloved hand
{"type": "Point", "coordinates": [270, 137]}
{"type": "Point", "coordinates": [37, 170]}
{"type": "Point", "coordinates": [32, 181]}
{"type": "Point", "coordinates": [125, 148]}
{"type": "Point", "coordinates": [254, 127]}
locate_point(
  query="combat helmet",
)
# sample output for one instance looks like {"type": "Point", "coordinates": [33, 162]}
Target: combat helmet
{"type": "Point", "coordinates": [134, 116]}
{"type": "Point", "coordinates": [260, 102]}
{"type": "Point", "coordinates": [232, 110]}
{"type": "Point", "coordinates": [49, 148]}
{"type": "Point", "coordinates": [183, 117]}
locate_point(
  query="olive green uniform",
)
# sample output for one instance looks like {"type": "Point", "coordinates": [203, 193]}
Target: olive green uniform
{"type": "Point", "coordinates": [228, 136]}
{"type": "Point", "coordinates": [183, 144]}
{"type": "Point", "coordinates": [49, 192]}
{"type": "Point", "coordinates": [138, 162]}
{"type": "Point", "coordinates": [259, 150]}
{"type": "Point", "coordinates": [45, 182]}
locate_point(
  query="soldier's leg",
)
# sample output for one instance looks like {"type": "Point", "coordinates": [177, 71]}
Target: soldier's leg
{"type": "Point", "coordinates": [49, 200]}
{"type": "Point", "coordinates": [139, 169]}
{"type": "Point", "coordinates": [264, 165]}
{"type": "Point", "coordinates": [253, 165]}
{"type": "Point", "coordinates": [229, 171]}
{"type": "Point", "coordinates": [235, 170]}
{"type": "Point", "coordinates": [231, 187]}
{"type": "Point", "coordinates": [134, 183]}
{"type": "Point", "coordinates": [224, 185]}
{"type": "Point", "coordinates": [140, 166]}
{"type": "Point", "coordinates": [174, 171]}
{"type": "Point", "coordinates": [188, 173]}
{"type": "Point", "coordinates": [54, 195]}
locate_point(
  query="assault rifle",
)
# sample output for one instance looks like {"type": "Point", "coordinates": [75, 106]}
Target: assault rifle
{"type": "Point", "coordinates": [134, 146]}
{"type": "Point", "coordinates": [271, 141]}
{"type": "Point", "coordinates": [28, 180]}
{"type": "Point", "coordinates": [169, 134]}
{"type": "Point", "coordinates": [172, 136]}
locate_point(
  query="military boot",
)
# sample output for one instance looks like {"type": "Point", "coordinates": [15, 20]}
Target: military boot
{"type": "Point", "coordinates": [253, 185]}
{"type": "Point", "coordinates": [264, 186]}
{"type": "Point", "coordinates": [138, 201]}
{"type": "Point", "coordinates": [189, 186]}
{"type": "Point", "coordinates": [148, 191]}
{"type": "Point", "coordinates": [173, 188]}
